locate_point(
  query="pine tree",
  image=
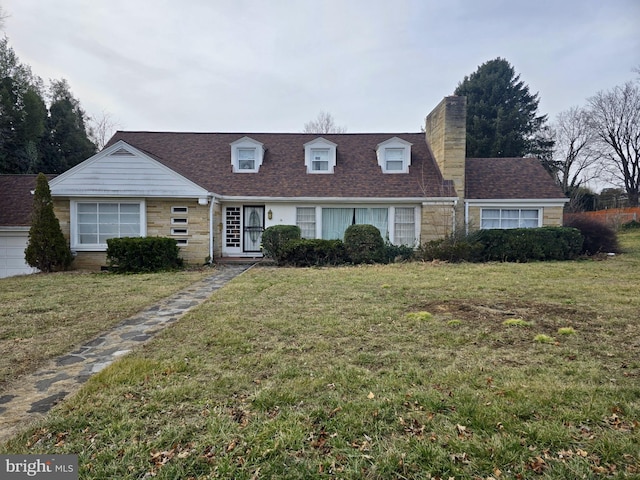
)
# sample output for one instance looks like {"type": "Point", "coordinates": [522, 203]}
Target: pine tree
{"type": "Point", "coordinates": [502, 119]}
{"type": "Point", "coordinates": [47, 249]}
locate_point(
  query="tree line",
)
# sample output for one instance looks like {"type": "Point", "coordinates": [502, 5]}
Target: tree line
{"type": "Point", "coordinates": [43, 128]}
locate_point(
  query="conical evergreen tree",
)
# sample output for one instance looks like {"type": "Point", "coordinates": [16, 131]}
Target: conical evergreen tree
{"type": "Point", "coordinates": [47, 249]}
{"type": "Point", "coordinates": [502, 114]}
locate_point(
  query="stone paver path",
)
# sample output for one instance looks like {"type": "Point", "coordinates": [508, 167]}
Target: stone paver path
{"type": "Point", "coordinates": [32, 396]}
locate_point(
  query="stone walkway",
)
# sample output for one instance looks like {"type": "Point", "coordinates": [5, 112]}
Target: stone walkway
{"type": "Point", "coordinates": [32, 396]}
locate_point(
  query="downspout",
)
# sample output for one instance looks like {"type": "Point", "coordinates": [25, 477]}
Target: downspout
{"type": "Point", "coordinates": [466, 217]}
{"type": "Point", "coordinates": [453, 227]}
{"type": "Point", "coordinates": [211, 202]}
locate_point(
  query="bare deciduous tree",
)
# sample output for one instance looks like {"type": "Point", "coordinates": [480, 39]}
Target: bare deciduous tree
{"type": "Point", "coordinates": [615, 118]}
{"type": "Point", "coordinates": [575, 158]}
{"type": "Point", "coordinates": [324, 123]}
{"type": "Point", "coordinates": [3, 17]}
{"type": "Point", "coordinates": [101, 128]}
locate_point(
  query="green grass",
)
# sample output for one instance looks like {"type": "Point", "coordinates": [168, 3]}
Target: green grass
{"type": "Point", "coordinates": [46, 315]}
{"type": "Point", "coordinates": [323, 373]}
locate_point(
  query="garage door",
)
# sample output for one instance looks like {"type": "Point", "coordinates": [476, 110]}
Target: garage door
{"type": "Point", "coordinates": [12, 247]}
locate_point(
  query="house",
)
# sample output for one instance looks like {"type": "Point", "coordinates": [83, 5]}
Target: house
{"type": "Point", "coordinates": [216, 192]}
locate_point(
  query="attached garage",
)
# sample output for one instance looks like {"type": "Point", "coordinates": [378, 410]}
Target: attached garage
{"type": "Point", "coordinates": [16, 202]}
{"type": "Point", "coordinates": [12, 245]}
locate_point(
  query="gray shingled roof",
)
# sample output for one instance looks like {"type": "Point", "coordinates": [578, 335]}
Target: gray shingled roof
{"type": "Point", "coordinates": [205, 158]}
{"type": "Point", "coordinates": [508, 178]}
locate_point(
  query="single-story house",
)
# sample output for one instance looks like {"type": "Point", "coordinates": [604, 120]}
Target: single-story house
{"type": "Point", "coordinates": [216, 192]}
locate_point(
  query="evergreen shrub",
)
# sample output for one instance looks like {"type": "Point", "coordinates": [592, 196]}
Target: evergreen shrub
{"type": "Point", "coordinates": [143, 254]}
{"type": "Point", "coordinates": [631, 225]}
{"type": "Point", "coordinates": [276, 237]}
{"type": "Point", "coordinates": [313, 252]}
{"type": "Point", "coordinates": [527, 244]}
{"type": "Point", "coordinates": [598, 236]}
{"type": "Point", "coordinates": [397, 253]}
{"type": "Point", "coordinates": [364, 244]}
{"type": "Point", "coordinates": [47, 249]}
{"type": "Point", "coordinates": [451, 249]}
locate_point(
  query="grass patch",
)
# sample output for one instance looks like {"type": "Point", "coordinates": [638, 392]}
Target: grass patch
{"type": "Point", "coordinates": [516, 322]}
{"type": "Point", "coordinates": [543, 338]}
{"type": "Point", "coordinates": [320, 373]}
{"type": "Point", "coordinates": [566, 331]}
{"type": "Point", "coordinates": [46, 315]}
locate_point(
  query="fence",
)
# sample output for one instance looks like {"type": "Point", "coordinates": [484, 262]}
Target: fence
{"type": "Point", "coordinates": [612, 216]}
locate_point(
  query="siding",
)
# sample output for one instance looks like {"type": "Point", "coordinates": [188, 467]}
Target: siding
{"type": "Point", "coordinates": [122, 173]}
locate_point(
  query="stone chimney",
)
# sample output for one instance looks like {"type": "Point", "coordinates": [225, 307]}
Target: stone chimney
{"type": "Point", "coordinates": [446, 134]}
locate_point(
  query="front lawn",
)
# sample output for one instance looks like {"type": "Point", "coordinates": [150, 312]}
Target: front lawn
{"type": "Point", "coordinates": [469, 371]}
{"type": "Point", "coordinates": [46, 315]}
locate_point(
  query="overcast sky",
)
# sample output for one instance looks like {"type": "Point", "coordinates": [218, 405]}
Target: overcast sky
{"type": "Point", "coordinates": [272, 65]}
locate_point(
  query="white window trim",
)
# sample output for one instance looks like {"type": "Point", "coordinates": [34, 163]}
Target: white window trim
{"type": "Point", "coordinates": [416, 226]}
{"type": "Point", "coordinates": [519, 208]}
{"type": "Point", "coordinates": [179, 210]}
{"type": "Point", "coordinates": [394, 143]}
{"type": "Point", "coordinates": [390, 218]}
{"type": "Point", "coordinates": [180, 231]}
{"type": "Point", "coordinates": [179, 221]}
{"type": "Point", "coordinates": [248, 143]}
{"type": "Point", "coordinates": [320, 144]}
{"type": "Point", "coordinates": [100, 247]}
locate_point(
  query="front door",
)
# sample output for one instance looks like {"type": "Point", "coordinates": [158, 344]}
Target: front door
{"type": "Point", "coordinates": [253, 228]}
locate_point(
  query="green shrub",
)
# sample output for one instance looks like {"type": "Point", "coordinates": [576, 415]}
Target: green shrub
{"type": "Point", "coordinates": [364, 244]}
{"type": "Point", "coordinates": [632, 225]}
{"type": "Point", "coordinates": [47, 249]}
{"type": "Point", "coordinates": [314, 252]}
{"type": "Point", "coordinates": [598, 236]}
{"type": "Point", "coordinates": [276, 237]}
{"type": "Point", "coordinates": [397, 253]}
{"type": "Point", "coordinates": [143, 254]}
{"type": "Point", "coordinates": [450, 249]}
{"type": "Point", "coordinates": [527, 244]}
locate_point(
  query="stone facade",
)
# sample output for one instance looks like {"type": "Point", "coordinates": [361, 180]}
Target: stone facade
{"type": "Point", "coordinates": [552, 216]}
{"type": "Point", "coordinates": [163, 221]}
{"type": "Point", "coordinates": [436, 221]}
{"type": "Point", "coordinates": [190, 225]}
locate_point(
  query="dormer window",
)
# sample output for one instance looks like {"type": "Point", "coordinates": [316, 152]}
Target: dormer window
{"type": "Point", "coordinates": [320, 156]}
{"type": "Point", "coordinates": [246, 159]}
{"type": "Point", "coordinates": [319, 159]}
{"type": "Point", "coordinates": [394, 155]}
{"type": "Point", "coordinates": [246, 155]}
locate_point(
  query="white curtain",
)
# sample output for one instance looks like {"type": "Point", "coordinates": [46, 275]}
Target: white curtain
{"type": "Point", "coordinates": [335, 222]}
{"type": "Point", "coordinates": [378, 217]}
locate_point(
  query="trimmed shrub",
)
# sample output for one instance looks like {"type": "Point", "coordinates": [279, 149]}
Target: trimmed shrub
{"type": "Point", "coordinates": [364, 244]}
{"type": "Point", "coordinates": [526, 244]}
{"type": "Point", "coordinates": [143, 254]}
{"type": "Point", "coordinates": [313, 252]}
{"type": "Point", "coordinates": [598, 236]}
{"type": "Point", "coordinates": [276, 237]}
{"type": "Point", "coordinates": [397, 253]}
{"type": "Point", "coordinates": [450, 249]}
{"type": "Point", "coordinates": [47, 249]}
